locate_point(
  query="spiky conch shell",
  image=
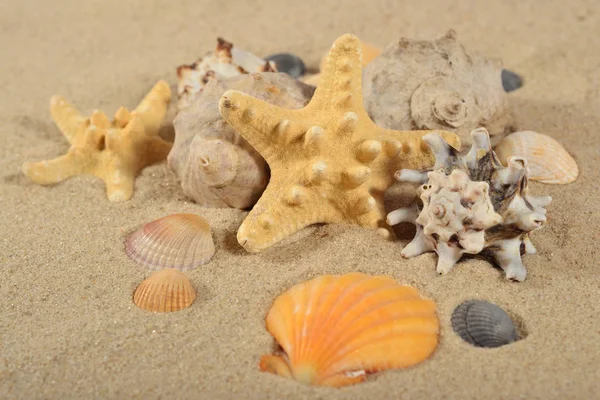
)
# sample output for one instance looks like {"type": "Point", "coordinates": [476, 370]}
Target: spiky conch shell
{"type": "Point", "coordinates": [336, 329]}
{"type": "Point", "coordinates": [472, 204]}
{"type": "Point", "coordinates": [226, 61]}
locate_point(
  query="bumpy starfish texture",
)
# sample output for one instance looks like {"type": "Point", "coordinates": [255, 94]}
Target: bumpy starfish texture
{"type": "Point", "coordinates": [113, 151]}
{"type": "Point", "coordinates": [329, 162]}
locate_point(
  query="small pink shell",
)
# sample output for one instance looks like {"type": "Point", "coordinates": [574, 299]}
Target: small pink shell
{"type": "Point", "coordinates": [180, 241]}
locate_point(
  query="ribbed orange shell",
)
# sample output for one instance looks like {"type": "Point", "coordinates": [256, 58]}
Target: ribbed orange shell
{"type": "Point", "coordinates": [165, 291]}
{"type": "Point", "coordinates": [336, 329]}
{"type": "Point", "coordinates": [182, 241]}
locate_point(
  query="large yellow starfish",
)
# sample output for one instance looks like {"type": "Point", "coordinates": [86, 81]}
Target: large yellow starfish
{"type": "Point", "coordinates": [113, 151]}
{"type": "Point", "coordinates": [329, 162]}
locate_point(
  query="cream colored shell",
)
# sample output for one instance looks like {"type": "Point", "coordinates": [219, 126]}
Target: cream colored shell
{"type": "Point", "coordinates": [437, 84]}
{"type": "Point", "coordinates": [226, 61]}
{"type": "Point", "coordinates": [548, 161]}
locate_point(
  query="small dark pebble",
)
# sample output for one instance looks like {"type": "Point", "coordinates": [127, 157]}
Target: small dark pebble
{"type": "Point", "coordinates": [288, 63]}
{"type": "Point", "coordinates": [511, 81]}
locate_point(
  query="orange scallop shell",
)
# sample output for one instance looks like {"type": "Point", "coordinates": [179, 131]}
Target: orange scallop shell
{"type": "Point", "coordinates": [182, 241]}
{"type": "Point", "coordinates": [165, 291]}
{"type": "Point", "coordinates": [336, 329]}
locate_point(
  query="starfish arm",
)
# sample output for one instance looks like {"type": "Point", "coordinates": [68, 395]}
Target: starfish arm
{"type": "Point", "coordinates": [99, 120]}
{"type": "Point", "coordinates": [340, 82]}
{"type": "Point", "coordinates": [153, 107]}
{"type": "Point", "coordinates": [268, 128]}
{"type": "Point", "coordinates": [281, 211]}
{"type": "Point", "coordinates": [415, 154]}
{"type": "Point", "coordinates": [122, 117]}
{"type": "Point", "coordinates": [126, 142]}
{"type": "Point", "coordinates": [134, 147]}
{"type": "Point", "coordinates": [119, 181]}
{"type": "Point", "coordinates": [68, 119]}
{"type": "Point", "coordinates": [75, 162]}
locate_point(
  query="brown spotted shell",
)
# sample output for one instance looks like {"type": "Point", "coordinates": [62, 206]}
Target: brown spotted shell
{"type": "Point", "coordinates": [225, 61]}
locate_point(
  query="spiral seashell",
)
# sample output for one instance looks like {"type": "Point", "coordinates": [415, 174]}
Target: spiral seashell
{"type": "Point", "coordinates": [548, 161]}
{"type": "Point", "coordinates": [180, 241]}
{"type": "Point", "coordinates": [436, 84]}
{"type": "Point", "coordinates": [439, 211]}
{"type": "Point", "coordinates": [483, 324]}
{"type": "Point", "coordinates": [217, 162]}
{"type": "Point", "coordinates": [439, 103]}
{"type": "Point", "coordinates": [167, 290]}
{"type": "Point", "coordinates": [336, 329]}
{"type": "Point", "coordinates": [216, 166]}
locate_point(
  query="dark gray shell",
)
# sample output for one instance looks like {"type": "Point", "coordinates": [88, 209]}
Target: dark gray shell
{"type": "Point", "coordinates": [288, 63]}
{"type": "Point", "coordinates": [483, 324]}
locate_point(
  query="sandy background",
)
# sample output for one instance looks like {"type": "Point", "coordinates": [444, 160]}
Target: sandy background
{"type": "Point", "coordinates": [68, 328]}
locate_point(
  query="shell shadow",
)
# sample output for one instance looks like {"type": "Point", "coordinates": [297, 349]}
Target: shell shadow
{"type": "Point", "coordinates": [397, 196]}
{"type": "Point", "coordinates": [167, 132]}
{"type": "Point", "coordinates": [520, 326]}
{"type": "Point", "coordinates": [18, 179]}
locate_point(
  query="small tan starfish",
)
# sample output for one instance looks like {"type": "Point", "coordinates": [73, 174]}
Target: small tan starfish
{"type": "Point", "coordinates": [113, 151]}
{"type": "Point", "coordinates": [329, 162]}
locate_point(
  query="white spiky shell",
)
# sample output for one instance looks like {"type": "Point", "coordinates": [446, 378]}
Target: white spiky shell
{"type": "Point", "coordinates": [548, 161]}
{"type": "Point", "coordinates": [472, 205]}
{"type": "Point", "coordinates": [453, 205]}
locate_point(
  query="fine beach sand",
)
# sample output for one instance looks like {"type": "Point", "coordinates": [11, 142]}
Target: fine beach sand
{"type": "Point", "coordinates": [68, 327]}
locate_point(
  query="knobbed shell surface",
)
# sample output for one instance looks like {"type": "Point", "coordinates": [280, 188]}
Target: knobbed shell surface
{"type": "Point", "coordinates": [180, 241]}
{"type": "Point", "coordinates": [336, 329]}
{"type": "Point", "coordinates": [216, 166]}
{"type": "Point", "coordinates": [165, 291]}
{"type": "Point", "coordinates": [436, 84]}
{"type": "Point", "coordinates": [487, 208]}
{"type": "Point", "coordinates": [548, 161]}
{"type": "Point", "coordinates": [483, 324]}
